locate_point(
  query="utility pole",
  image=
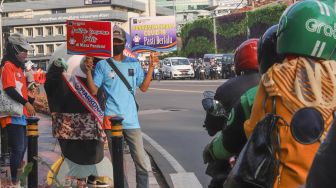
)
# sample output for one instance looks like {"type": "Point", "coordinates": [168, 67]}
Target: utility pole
{"type": "Point", "coordinates": [215, 31]}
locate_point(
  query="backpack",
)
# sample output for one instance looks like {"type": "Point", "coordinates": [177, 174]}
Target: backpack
{"type": "Point", "coordinates": [258, 164]}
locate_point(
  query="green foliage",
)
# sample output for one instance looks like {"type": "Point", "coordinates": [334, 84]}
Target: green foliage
{"type": "Point", "coordinates": [23, 177]}
{"type": "Point", "coordinates": [231, 29]}
{"type": "Point", "coordinates": [205, 23]}
{"type": "Point", "coordinates": [269, 15]}
{"type": "Point", "coordinates": [197, 46]}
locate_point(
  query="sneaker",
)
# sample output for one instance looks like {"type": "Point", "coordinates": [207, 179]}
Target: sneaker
{"type": "Point", "coordinates": [95, 182]}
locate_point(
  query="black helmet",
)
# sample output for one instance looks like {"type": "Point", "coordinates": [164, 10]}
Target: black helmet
{"type": "Point", "coordinates": [267, 54]}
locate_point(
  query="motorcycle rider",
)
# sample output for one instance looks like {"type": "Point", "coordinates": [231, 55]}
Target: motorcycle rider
{"type": "Point", "coordinates": [232, 137]}
{"type": "Point", "coordinates": [304, 78]}
{"type": "Point", "coordinates": [248, 76]}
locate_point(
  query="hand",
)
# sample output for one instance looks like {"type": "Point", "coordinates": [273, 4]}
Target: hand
{"type": "Point", "coordinates": [207, 157]}
{"type": "Point", "coordinates": [154, 59]}
{"type": "Point", "coordinates": [30, 109]}
{"type": "Point", "coordinates": [89, 64]}
{"type": "Point", "coordinates": [32, 93]}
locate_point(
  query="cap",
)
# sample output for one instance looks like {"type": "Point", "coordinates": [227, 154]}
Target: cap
{"type": "Point", "coordinates": [119, 33]}
{"type": "Point", "coordinates": [20, 40]}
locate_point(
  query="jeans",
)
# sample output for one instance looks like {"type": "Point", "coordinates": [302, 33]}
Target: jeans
{"type": "Point", "coordinates": [17, 140]}
{"type": "Point", "coordinates": [4, 141]}
{"type": "Point", "coordinates": [134, 141]}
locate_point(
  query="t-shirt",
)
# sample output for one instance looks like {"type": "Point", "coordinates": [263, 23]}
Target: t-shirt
{"type": "Point", "coordinates": [12, 76]}
{"type": "Point", "coordinates": [120, 101]}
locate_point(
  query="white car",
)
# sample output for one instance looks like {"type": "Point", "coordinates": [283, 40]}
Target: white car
{"type": "Point", "coordinates": [177, 67]}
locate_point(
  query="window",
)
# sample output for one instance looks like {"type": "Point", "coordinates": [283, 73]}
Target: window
{"type": "Point", "coordinates": [59, 30]}
{"type": "Point", "coordinates": [185, 17]}
{"type": "Point", "coordinates": [19, 30]}
{"type": "Point", "coordinates": [30, 53]}
{"type": "Point", "coordinates": [201, 7]}
{"type": "Point", "coordinates": [29, 32]}
{"type": "Point", "coordinates": [49, 30]}
{"type": "Point", "coordinates": [40, 49]}
{"type": "Point", "coordinates": [191, 7]}
{"type": "Point", "coordinates": [57, 11]}
{"type": "Point", "coordinates": [39, 31]}
{"type": "Point", "coordinates": [50, 48]}
{"type": "Point", "coordinates": [180, 62]}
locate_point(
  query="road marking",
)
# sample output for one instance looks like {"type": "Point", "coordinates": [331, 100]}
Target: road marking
{"type": "Point", "coordinates": [176, 90]}
{"type": "Point", "coordinates": [181, 179]}
{"type": "Point", "coordinates": [172, 161]}
{"type": "Point", "coordinates": [185, 180]}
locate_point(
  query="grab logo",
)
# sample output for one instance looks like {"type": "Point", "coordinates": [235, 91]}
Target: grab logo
{"type": "Point", "coordinates": [316, 26]}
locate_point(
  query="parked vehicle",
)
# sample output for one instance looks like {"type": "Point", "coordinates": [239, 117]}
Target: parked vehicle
{"type": "Point", "coordinates": [177, 67]}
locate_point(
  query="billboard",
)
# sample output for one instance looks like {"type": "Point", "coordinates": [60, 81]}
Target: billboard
{"type": "Point", "coordinates": [93, 38]}
{"type": "Point", "coordinates": [97, 2]}
{"type": "Point", "coordinates": [153, 33]}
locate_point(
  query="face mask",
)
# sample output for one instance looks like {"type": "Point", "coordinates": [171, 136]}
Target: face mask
{"type": "Point", "coordinates": [118, 49]}
{"type": "Point", "coordinates": [21, 55]}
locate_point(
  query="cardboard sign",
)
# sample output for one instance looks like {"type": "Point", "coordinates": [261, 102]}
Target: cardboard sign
{"type": "Point", "coordinates": [92, 38]}
{"type": "Point", "coordinates": [153, 33]}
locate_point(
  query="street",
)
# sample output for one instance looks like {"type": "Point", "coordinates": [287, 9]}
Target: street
{"type": "Point", "coordinates": [172, 115]}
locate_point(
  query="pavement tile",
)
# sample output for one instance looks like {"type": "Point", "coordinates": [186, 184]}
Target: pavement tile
{"type": "Point", "coordinates": [49, 151]}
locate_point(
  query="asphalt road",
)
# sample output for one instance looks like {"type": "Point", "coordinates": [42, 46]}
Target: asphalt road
{"type": "Point", "coordinates": [171, 114]}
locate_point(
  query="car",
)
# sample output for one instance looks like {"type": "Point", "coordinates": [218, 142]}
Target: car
{"type": "Point", "coordinates": [177, 67]}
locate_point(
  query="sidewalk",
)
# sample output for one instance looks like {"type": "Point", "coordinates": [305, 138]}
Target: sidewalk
{"type": "Point", "coordinates": [49, 151]}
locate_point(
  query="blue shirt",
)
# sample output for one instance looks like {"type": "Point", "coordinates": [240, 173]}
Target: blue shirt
{"type": "Point", "coordinates": [120, 101]}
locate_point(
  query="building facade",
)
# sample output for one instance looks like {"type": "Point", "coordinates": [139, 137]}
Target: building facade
{"type": "Point", "coordinates": [43, 22]}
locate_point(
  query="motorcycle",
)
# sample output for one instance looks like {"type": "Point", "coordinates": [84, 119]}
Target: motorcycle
{"type": "Point", "coordinates": [157, 74]}
{"type": "Point", "coordinates": [202, 73]}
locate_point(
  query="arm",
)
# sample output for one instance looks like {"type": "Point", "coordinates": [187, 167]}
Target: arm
{"type": "Point", "coordinates": [90, 83]}
{"type": "Point", "coordinates": [145, 84]}
{"type": "Point", "coordinates": [12, 93]}
{"type": "Point", "coordinates": [153, 62]}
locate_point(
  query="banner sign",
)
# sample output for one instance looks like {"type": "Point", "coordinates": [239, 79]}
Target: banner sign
{"type": "Point", "coordinates": [93, 38]}
{"type": "Point", "coordinates": [153, 33]}
{"type": "Point", "coordinates": [97, 2]}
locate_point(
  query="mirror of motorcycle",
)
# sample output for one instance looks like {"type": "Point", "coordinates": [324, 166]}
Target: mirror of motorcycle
{"type": "Point", "coordinates": [307, 125]}
{"type": "Point", "coordinates": [213, 107]}
{"type": "Point", "coordinates": [209, 94]}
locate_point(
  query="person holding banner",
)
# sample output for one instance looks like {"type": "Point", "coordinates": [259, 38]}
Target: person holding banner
{"type": "Point", "coordinates": [121, 100]}
{"type": "Point", "coordinates": [14, 85]}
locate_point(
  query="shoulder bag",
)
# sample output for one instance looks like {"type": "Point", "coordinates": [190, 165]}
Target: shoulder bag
{"type": "Point", "coordinates": [123, 79]}
{"type": "Point", "coordinates": [8, 106]}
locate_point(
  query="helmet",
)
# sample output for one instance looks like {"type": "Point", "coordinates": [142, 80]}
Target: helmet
{"type": "Point", "coordinates": [267, 54]}
{"type": "Point", "coordinates": [307, 28]}
{"type": "Point", "coordinates": [245, 57]}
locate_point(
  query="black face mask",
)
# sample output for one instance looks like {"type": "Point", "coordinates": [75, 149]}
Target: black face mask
{"type": "Point", "coordinates": [118, 49]}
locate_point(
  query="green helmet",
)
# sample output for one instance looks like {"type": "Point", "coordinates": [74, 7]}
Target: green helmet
{"type": "Point", "coordinates": [307, 28]}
